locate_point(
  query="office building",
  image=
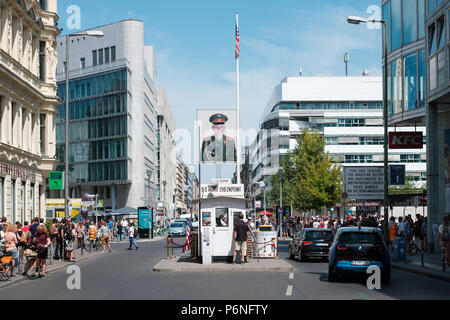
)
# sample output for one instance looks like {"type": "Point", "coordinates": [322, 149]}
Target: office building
{"type": "Point", "coordinates": [113, 116]}
{"type": "Point", "coordinates": [28, 106]}
{"type": "Point", "coordinates": [346, 111]}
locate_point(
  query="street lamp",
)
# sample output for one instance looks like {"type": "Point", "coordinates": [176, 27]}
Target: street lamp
{"type": "Point", "coordinates": [358, 20]}
{"type": "Point", "coordinates": [90, 33]}
{"type": "Point", "coordinates": [262, 185]}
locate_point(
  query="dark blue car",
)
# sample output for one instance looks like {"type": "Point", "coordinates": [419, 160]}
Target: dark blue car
{"type": "Point", "coordinates": [355, 249]}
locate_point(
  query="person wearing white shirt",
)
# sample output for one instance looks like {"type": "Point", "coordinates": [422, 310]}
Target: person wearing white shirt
{"type": "Point", "coordinates": [124, 224]}
{"type": "Point", "coordinates": [131, 236]}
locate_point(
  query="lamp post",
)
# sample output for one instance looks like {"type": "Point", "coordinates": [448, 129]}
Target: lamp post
{"type": "Point", "coordinates": [262, 185]}
{"type": "Point", "coordinates": [358, 20]}
{"type": "Point", "coordinates": [280, 212]}
{"type": "Point", "coordinates": [91, 33]}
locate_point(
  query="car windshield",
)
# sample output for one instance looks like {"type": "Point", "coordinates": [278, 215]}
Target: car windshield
{"type": "Point", "coordinates": [177, 225]}
{"type": "Point", "coordinates": [319, 235]}
{"type": "Point", "coordinates": [359, 238]}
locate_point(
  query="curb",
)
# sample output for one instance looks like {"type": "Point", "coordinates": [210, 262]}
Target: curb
{"type": "Point", "coordinates": [420, 271]}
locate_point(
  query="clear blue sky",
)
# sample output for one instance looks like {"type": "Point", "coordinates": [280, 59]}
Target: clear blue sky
{"type": "Point", "coordinates": [194, 42]}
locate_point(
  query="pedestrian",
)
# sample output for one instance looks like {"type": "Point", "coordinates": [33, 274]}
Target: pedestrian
{"type": "Point", "coordinates": [104, 233]}
{"type": "Point", "coordinates": [54, 239]}
{"type": "Point", "coordinates": [119, 231]}
{"type": "Point", "coordinates": [444, 238]}
{"type": "Point", "coordinates": [69, 239]}
{"type": "Point", "coordinates": [11, 242]}
{"type": "Point", "coordinates": [124, 224]}
{"type": "Point", "coordinates": [393, 232]}
{"type": "Point", "coordinates": [81, 233]}
{"type": "Point", "coordinates": [417, 232]}
{"type": "Point", "coordinates": [111, 229]}
{"type": "Point", "coordinates": [4, 223]}
{"type": "Point", "coordinates": [41, 222]}
{"type": "Point", "coordinates": [240, 238]}
{"type": "Point", "coordinates": [132, 233]}
{"type": "Point", "coordinates": [42, 241]}
{"type": "Point", "coordinates": [61, 244]}
{"type": "Point", "coordinates": [33, 229]}
{"type": "Point", "coordinates": [25, 227]}
{"type": "Point", "coordinates": [424, 234]}
{"type": "Point", "coordinates": [284, 225]}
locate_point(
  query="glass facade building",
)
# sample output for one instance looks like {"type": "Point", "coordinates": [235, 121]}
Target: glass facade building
{"type": "Point", "coordinates": [98, 132]}
{"type": "Point", "coordinates": [406, 60]}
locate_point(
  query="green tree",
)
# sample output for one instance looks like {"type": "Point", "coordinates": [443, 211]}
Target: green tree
{"type": "Point", "coordinates": [311, 179]}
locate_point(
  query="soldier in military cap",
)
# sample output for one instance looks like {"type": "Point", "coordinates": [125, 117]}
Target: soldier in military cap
{"type": "Point", "coordinates": [218, 148]}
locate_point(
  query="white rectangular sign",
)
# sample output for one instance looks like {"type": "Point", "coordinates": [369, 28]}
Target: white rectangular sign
{"type": "Point", "coordinates": [222, 190]}
{"type": "Point", "coordinates": [364, 183]}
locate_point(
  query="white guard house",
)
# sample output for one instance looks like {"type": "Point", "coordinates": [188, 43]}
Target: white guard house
{"type": "Point", "coordinates": [220, 204]}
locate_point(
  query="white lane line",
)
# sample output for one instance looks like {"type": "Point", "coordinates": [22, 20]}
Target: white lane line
{"type": "Point", "coordinates": [289, 291]}
{"type": "Point", "coordinates": [291, 276]}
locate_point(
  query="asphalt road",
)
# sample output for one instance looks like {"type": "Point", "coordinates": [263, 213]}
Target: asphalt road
{"type": "Point", "coordinates": [127, 274]}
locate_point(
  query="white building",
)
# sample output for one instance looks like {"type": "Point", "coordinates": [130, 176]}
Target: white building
{"type": "Point", "coordinates": [347, 111]}
{"type": "Point", "coordinates": [28, 106]}
{"type": "Point", "coordinates": [167, 159]}
{"type": "Point", "coordinates": [113, 116]}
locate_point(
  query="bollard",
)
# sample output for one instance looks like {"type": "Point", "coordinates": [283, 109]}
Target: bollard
{"type": "Point", "coordinates": [52, 248]}
{"type": "Point", "coordinates": [172, 247]}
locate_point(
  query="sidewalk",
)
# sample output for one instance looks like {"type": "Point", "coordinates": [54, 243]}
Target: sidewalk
{"type": "Point", "coordinates": [432, 266]}
{"type": "Point", "coordinates": [58, 265]}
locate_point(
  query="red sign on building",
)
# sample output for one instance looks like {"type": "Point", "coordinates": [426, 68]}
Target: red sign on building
{"type": "Point", "coordinates": [406, 140]}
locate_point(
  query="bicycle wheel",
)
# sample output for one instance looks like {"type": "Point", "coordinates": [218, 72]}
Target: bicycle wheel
{"type": "Point", "coordinates": [31, 272]}
{"type": "Point", "coordinates": [9, 271]}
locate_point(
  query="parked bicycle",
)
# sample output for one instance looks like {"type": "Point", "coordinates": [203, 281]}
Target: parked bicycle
{"type": "Point", "coordinates": [6, 266]}
{"type": "Point", "coordinates": [32, 268]}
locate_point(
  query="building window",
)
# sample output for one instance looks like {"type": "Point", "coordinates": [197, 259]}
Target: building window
{"type": "Point", "coordinates": [396, 23]}
{"type": "Point", "coordinates": [421, 18]}
{"type": "Point", "coordinates": [83, 63]}
{"type": "Point", "coordinates": [397, 88]}
{"type": "Point", "coordinates": [113, 53]}
{"type": "Point", "coordinates": [106, 55]}
{"type": "Point", "coordinates": [42, 132]}
{"type": "Point", "coordinates": [410, 81]}
{"type": "Point", "coordinates": [409, 21]}
{"type": "Point", "coordinates": [94, 57]}
{"type": "Point", "coordinates": [431, 5]}
{"type": "Point", "coordinates": [100, 56]}
{"type": "Point", "coordinates": [422, 78]}
{"type": "Point", "coordinates": [42, 60]}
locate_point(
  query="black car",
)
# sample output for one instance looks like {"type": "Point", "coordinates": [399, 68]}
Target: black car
{"type": "Point", "coordinates": [311, 243]}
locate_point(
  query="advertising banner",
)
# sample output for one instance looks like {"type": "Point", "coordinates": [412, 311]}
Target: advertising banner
{"type": "Point", "coordinates": [217, 136]}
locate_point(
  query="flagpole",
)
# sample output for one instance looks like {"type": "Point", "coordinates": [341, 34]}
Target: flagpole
{"type": "Point", "coordinates": [238, 115]}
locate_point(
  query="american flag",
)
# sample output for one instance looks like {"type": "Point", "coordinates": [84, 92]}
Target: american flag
{"type": "Point", "coordinates": [238, 51]}
{"type": "Point", "coordinates": [187, 245]}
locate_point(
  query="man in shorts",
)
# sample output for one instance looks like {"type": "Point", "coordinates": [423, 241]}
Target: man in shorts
{"type": "Point", "coordinates": [240, 238]}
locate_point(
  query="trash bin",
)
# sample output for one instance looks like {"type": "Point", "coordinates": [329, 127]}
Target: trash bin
{"type": "Point", "coordinates": [399, 246]}
{"type": "Point", "coordinates": [194, 245]}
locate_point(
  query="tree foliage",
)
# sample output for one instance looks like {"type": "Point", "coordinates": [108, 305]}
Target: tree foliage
{"type": "Point", "coordinates": [311, 179]}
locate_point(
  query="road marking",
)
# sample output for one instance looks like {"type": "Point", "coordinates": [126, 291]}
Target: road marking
{"type": "Point", "coordinates": [289, 291]}
{"type": "Point", "coordinates": [291, 276]}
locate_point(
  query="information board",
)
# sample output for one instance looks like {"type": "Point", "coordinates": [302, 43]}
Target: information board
{"type": "Point", "coordinates": [56, 180]}
{"type": "Point", "coordinates": [364, 183]}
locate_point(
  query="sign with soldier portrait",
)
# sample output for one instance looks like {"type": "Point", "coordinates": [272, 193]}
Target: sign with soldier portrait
{"type": "Point", "coordinates": [217, 136]}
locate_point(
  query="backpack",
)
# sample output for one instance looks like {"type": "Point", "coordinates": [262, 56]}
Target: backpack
{"type": "Point", "coordinates": [68, 235]}
{"type": "Point", "coordinates": [446, 234]}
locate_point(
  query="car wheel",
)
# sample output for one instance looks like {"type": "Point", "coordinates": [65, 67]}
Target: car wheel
{"type": "Point", "coordinates": [331, 274]}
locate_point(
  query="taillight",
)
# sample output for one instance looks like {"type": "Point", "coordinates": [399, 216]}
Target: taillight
{"type": "Point", "coordinates": [342, 248]}
{"type": "Point", "coordinates": [307, 243]}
